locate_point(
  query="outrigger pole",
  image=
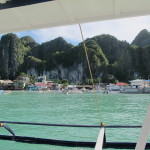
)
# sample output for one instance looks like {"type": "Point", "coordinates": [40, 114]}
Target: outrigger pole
{"type": "Point", "coordinates": [71, 125]}
{"type": "Point", "coordinates": [102, 137]}
{"type": "Point", "coordinates": [8, 129]}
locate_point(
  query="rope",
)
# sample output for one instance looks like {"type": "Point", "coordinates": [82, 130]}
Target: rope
{"type": "Point", "coordinates": [91, 76]}
{"type": "Point", "coordinates": [1, 124]}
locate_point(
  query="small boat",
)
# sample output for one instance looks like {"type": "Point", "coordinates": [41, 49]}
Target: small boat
{"type": "Point", "coordinates": [1, 92]}
{"type": "Point", "coordinates": [66, 91]}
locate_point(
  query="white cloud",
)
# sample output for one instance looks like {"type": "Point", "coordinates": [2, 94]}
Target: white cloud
{"type": "Point", "coordinates": [70, 33]}
{"type": "Point", "coordinates": [123, 29]}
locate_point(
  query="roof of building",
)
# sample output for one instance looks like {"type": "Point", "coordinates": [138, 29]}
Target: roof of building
{"type": "Point", "coordinates": [121, 83]}
{"type": "Point", "coordinates": [6, 81]}
{"type": "Point", "coordinates": [137, 80]}
{"type": "Point", "coordinates": [39, 84]}
{"type": "Point", "coordinates": [147, 80]}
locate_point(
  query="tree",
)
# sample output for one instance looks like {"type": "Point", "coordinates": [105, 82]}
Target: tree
{"type": "Point", "coordinates": [109, 79]}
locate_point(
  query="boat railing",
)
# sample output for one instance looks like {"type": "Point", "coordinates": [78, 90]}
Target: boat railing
{"type": "Point", "coordinates": [72, 125]}
{"type": "Point", "coordinates": [102, 137]}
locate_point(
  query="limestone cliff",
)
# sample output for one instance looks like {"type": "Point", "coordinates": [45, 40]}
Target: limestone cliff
{"type": "Point", "coordinates": [12, 53]}
{"type": "Point", "coordinates": [74, 74]}
{"type": "Point", "coordinates": [142, 39]}
{"type": "Point", "coordinates": [58, 59]}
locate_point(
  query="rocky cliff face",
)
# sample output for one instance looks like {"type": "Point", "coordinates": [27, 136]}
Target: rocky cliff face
{"type": "Point", "coordinates": [74, 74]}
{"type": "Point", "coordinates": [142, 39]}
{"type": "Point", "coordinates": [28, 41]}
{"type": "Point", "coordinates": [12, 53]}
{"type": "Point", "coordinates": [58, 59]}
{"type": "Point", "coordinates": [111, 46]}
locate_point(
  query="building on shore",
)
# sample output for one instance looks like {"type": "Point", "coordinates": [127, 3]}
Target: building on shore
{"type": "Point", "coordinates": [6, 85]}
{"type": "Point", "coordinates": [138, 83]}
{"type": "Point", "coordinates": [20, 82]}
{"type": "Point", "coordinates": [42, 83]}
{"type": "Point", "coordinates": [138, 86]}
{"type": "Point", "coordinates": [117, 87]}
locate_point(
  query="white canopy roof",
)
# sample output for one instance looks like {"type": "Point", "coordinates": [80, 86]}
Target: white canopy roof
{"type": "Point", "coordinates": [67, 12]}
{"type": "Point", "coordinates": [137, 80]}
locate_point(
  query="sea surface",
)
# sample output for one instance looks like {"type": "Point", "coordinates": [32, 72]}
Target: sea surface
{"type": "Point", "coordinates": [59, 108]}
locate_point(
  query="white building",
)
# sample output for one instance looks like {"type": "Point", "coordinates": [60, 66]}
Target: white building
{"type": "Point", "coordinates": [137, 83]}
{"type": "Point", "coordinates": [113, 87]}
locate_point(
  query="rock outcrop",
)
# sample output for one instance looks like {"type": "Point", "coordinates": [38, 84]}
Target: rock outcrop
{"type": "Point", "coordinates": [142, 39]}
{"type": "Point", "coordinates": [12, 53]}
{"type": "Point", "coordinates": [58, 59]}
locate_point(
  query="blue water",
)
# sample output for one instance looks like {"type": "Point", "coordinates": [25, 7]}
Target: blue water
{"type": "Point", "coordinates": [115, 109]}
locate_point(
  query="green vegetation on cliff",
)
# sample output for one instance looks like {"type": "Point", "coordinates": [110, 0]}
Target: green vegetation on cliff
{"type": "Point", "coordinates": [110, 59]}
{"type": "Point", "coordinates": [12, 53]}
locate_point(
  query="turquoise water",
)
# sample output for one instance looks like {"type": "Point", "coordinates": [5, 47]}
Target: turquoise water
{"type": "Point", "coordinates": [115, 109]}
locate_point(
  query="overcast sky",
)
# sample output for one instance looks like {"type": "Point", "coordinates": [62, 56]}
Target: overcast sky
{"type": "Point", "coordinates": [122, 29]}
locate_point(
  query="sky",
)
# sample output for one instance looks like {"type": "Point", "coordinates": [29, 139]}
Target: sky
{"type": "Point", "coordinates": [122, 29]}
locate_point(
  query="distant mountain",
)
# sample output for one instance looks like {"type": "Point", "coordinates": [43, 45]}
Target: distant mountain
{"type": "Point", "coordinates": [142, 39]}
{"type": "Point", "coordinates": [28, 41]}
{"type": "Point", "coordinates": [111, 46]}
{"type": "Point", "coordinates": [110, 59]}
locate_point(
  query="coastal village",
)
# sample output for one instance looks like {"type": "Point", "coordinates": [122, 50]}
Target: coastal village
{"type": "Point", "coordinates": [41, 84]}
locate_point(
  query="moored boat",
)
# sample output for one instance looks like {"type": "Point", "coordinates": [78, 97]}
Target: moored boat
{"type": "Point", "coordinates": [1, 92]}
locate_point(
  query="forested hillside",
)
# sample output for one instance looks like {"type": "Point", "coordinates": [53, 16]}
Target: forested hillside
{"type": "Point", "coordinates": [110, 58]}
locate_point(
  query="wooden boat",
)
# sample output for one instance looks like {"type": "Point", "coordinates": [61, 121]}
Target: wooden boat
{"type": "Point", "coordinates": [34, 14]}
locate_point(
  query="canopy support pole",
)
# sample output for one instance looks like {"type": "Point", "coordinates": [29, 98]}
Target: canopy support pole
{"type": "Point", "coordinates": [144, 132]}
{"type": "Point", "coordinates": [101, 140]}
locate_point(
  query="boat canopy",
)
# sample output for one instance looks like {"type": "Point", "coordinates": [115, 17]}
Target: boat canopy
{"type": "Point", "coordinates": [16, 15]}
